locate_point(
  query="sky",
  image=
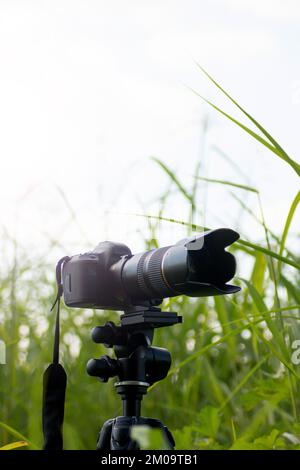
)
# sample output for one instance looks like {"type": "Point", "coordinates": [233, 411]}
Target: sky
{"type": "Point", "coordinates": [89, 90]}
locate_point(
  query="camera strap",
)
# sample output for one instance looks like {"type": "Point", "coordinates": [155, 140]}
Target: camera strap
{"type": "Point", "coordinates": [55, 381]}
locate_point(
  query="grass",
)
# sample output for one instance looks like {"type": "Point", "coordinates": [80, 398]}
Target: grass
{"type": "Point", "coordinates": [232, 383]}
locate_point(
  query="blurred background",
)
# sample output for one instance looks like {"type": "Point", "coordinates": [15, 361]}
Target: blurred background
{"type": "Point", "coordinates": [89, 92]}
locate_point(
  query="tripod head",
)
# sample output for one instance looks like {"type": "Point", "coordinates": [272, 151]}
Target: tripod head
{"type": "Point", "coordinates": [136, 360]}
{"type": "Point", "coordinates": [138, 365]}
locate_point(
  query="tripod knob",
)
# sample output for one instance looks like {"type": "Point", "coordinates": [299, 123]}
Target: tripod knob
{"type": "Point", "coordinates": [109, 335]}
{"type": "Point", "coordinates": [103, 368]}
{"type": "Point", "coordinates": [158, 364]}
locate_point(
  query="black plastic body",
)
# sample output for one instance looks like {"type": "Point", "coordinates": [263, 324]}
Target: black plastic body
{"type": "Point", "coordinates": [111, 277]}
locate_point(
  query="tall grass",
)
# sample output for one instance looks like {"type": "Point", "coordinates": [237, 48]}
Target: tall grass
{"type": "Point", "coordinates": [232, 383]}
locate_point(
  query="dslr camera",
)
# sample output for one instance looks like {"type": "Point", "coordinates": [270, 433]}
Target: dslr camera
{"type": "Point", "coordinates": [111, 277]}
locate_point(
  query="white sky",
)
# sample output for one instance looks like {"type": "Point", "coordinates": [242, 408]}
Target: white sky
{"type": "Point", "coordinates": [90, 89]}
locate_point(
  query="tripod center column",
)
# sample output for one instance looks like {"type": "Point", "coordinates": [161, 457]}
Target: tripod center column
{"type": "Point", "coordinates": [131, 392]}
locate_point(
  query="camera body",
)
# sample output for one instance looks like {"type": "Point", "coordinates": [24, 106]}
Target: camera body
{"type": "Point", "coordinates": [111, 277]}
{"type": "Point", "coordinates": [93, 279]}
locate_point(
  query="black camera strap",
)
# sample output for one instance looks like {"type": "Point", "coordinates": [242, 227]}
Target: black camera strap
{"type": "Point", "coordinates": [55, 381]}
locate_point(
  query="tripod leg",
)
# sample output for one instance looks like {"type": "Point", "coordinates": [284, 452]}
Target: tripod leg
{"type": "Point", "coordinates": [157, 424]}
{"type": "Point", "coordinates": [104, 437]}
{"type": "Point", "coordinates": [121, 434]}
{"type": "Point", "coordinates": [169, 438]}
{"type": "Point", "coordinates": [115, 434]}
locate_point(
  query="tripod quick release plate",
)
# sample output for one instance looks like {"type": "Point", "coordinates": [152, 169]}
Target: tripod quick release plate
{"type": "Point", "coordinates": [153, 318]}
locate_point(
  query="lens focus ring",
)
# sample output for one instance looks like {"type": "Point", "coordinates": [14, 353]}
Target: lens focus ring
{"type": "Point", "coordinates": [149, 274]}
{"type": "Point", "coordinates": [140, 274]}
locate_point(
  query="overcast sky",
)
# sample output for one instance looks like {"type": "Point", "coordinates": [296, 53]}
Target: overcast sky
{"type": "Point", "coordinates": [90, 89]}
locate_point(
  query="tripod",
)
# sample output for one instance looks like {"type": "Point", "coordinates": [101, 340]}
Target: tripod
{"type": "Point", "coordinates": [137, 366]}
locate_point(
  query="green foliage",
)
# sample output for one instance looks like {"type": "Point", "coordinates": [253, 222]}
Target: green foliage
{"type": "Point", "coordinates": [232, 384]}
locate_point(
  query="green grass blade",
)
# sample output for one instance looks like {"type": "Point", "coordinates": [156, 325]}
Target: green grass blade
{"type": "Point", "coordinates": [221, 308]}
{"type": "Point", "coordinates": [282, 154]}
{"type": "Point", "coordinates": [268, 252]}
{"type": "Point", "coordinates": [243, 382]}
{"type": "Point", "coordinates": [173, 177]}
{"type": "Point", "coordinates": [248, 130]}
{"type": "Point", "coordinates": [224, 338]}
{"type": "Point", "coordinates": [276, 353]}
{"type": "Point", "coordinates": [231, 162]}
{"type": "Point", "coordinates": [17, 434]}
{"type": "Point", "coordinates": [287, 225]}
{"type": "Point", "coordinates": [292, 163]}
{"type": "Point", "coordinates": [240, 242]}
{"type": "Point", "coordinates": [14, 445]}
{"type": "Point", "coordinates": [259, 272]}
{"type": "Point", "coordinates": [261, 307]}
{"type": "Point", "coordinates": [275, 237]}
{"type": "Point", "coordinates": [194, 227]}
{"type": "Point", "coordinates": [228, 183]}
{"type": "Point", "coordinates": [292, 289]}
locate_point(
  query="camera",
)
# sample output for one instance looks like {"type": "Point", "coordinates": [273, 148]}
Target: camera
{"type": "Point", "coordinates": [111, 277]}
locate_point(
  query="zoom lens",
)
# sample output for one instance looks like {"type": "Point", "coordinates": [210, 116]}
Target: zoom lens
{"type": "Point", "coordinates": [195, 266]}
{"type": "Point", "coordinates": [112, 277]}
